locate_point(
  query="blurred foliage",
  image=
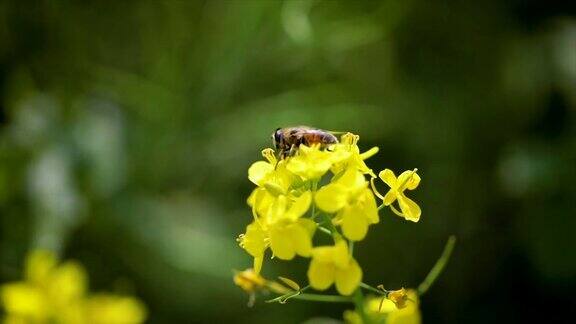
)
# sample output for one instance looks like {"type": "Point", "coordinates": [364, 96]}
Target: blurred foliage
{"type": "Point", "coordinates": [127, 128]}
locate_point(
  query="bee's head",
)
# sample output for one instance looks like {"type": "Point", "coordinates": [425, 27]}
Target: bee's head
{"type": "Point", "coordinates": [277, 137]}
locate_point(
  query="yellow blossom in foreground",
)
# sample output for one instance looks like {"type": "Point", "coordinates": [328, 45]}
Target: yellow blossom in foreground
{"type": "Point", "coordinates": [289, 234]}
{"type": "Point", "coordinates": [407, 180]}
{"type": "Point", "coordinates": [281, 228]}
{"type": "Point", "coordinates": [57, 293]}
{"type": "Point", "coordinates": [333, 264]}
{"type": "Point", "coordinates": [386, 311]}
{"type": "Point", "coordinates": [352, 200]}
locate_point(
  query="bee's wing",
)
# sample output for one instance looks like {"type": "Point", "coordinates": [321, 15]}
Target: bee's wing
{"type": "Point", "coordinates": [336, 132]}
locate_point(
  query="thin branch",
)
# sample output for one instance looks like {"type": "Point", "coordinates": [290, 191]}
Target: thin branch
{"type": "Point", "coordinates": [438, 267]}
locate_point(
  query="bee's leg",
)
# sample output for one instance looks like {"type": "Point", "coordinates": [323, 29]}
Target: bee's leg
{"type": "Point", "coordinates": [292, 150]}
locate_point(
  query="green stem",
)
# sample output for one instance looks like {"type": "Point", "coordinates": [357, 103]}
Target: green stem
{"type": "Point", "coordinates": [292, 294]}
{"type": "Point", "coordinates": [324, 298]}
{"type": "Point", "coordinates": [324, 230]}
{"type": "Point", "coordinates": [374, 290]}
{"type": "Point", "coordinates": [313, 209]}
{"type": "Point", "coordinates": [359, 303]}
{"type": "Point", "coordinates": [310, 297]}
{"type": "Point", "coordinates": [331, 228]}
{"type": "Point", "coordinates": [438, 266]}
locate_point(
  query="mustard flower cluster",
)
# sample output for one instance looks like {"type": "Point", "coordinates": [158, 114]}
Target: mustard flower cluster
{"type": "Point", "coordinates": [329, 190]}
{"type": "Point", "coordinates": [57, 293]}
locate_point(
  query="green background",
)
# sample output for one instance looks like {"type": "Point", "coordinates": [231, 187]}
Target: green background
{"type": "Point", "coordinates": [127, 128]}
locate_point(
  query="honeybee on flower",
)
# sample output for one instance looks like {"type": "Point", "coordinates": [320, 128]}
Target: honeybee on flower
{"type": "Point", "coordinates": [287, 140]}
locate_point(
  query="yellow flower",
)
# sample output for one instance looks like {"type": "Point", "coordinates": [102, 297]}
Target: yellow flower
{"type": "Point", "coordinates": [112, 309]}
{"type": "Point", "coordinates": [386, 311]}
{"type": "Point", "coordinates": [407, 180]}
{"type": "Point", "coordinates": [349, 155]}
{"type": "Point", "coordinates": [249, 280]}
{"type": "Point", "coordinates": [255, 241]}
{"type": "Point", "coordinates": [352, 200]}
{"type": "Point", "coordinates": [53, 293]}
{"type": "Point", "coordinates": [311, 163]}
{"type": "Point", "coordinates": [260, 170]}
{"type": "Point", "coordinates": [290, 234]}
{"type": "Point", "coordinates": [333, 264]}
{"type": "Point", "coordinates": [281, 228]}
{"type": "Point", "coordinates": [398, 297]}
{"type": "Point", "coordinates": [271, 174]}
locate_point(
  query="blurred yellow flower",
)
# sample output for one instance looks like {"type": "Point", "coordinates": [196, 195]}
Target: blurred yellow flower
{"type": "Point", "coordinates": [113, 309]}
{"type": "Point", "coordinates": [333, 264]}
{"type": "Point", "coordinates": [352, 200]}
{"type": "Point", "coordinates": [407, 180]}
{"type": "Point", "coordinates": [53, 293]}
{"type": "Point", "coordinates": [249, 280]}
{"type": "Point", "coordinates": [386, 311]}
{"type": "Point", "coordinates": [398, 297]}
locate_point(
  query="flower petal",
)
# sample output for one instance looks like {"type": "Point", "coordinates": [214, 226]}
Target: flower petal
{"type": "Point", "coordinates": [277, 209]}
{"type": "Point", "coordinates": [370, 208]}
{"type": "Point", "coordinates": [390, 197]}
{"type": "Point", "coordinates": [388, 177]}
{"type": "Point", "coordinates": [368, 154]}
{"type": "Point", "coordinates": [348, 279]}
{"type": "Point", "coordinates": [410, 179]}
{"type": "Point", "coordinates": [331, 198]}
{"type": "Point", "coordinates": [340, 255]}
{"type": "Point", "coordinates": [324, 254]}
{"type": "Point", "coordinates": [67, 283]}
{"type": "Point", "coordinates": [409, 208]}
{"type": "Point", "coordinates": [254, 240]}
{"type": "Point", "coordinates": [258, 171]}
{"type": "Point", "coordinates": [281, 243]}
{"type": "Point", "coordinates": [24, 300]}
{"type": "Point", "coordinates": [414, 182]}
{"type": "Point", "coordinates": [320, 274]}
{"type": "Point", "coordinates": [353, 180]}
{"type": "Point", "coordinates": [309, 225]}
{"type": "Point", "coordinates": [354, 224]}
{"type": "Point", "coordinates": [39, 265]}
{"type": "Point", "coordinates": [301, 240]}
{"type": "Point", "coordinates": [299, 206]}
{"type": "Point", "coordinates": [258, 263]}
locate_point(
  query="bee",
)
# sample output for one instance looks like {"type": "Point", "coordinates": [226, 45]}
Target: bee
{"type": "Point", "coordinates": [287, 140]}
